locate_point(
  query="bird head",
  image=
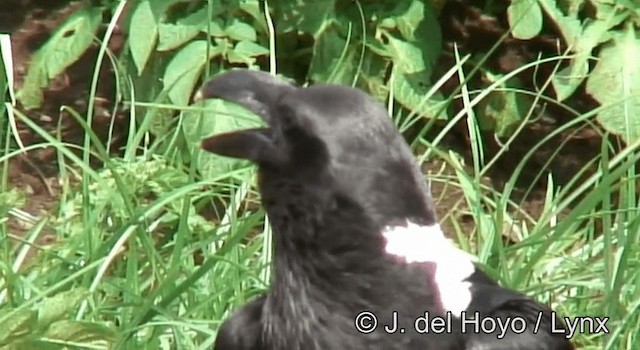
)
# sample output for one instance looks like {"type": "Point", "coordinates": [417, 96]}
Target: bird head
{"type": "Point", "coordinates": [336, 138]}
{"type": "Point", "coordinates": [332, 169]}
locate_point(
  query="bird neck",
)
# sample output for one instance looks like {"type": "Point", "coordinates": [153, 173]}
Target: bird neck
{"type": "Point", "coordinates": [319, 236]}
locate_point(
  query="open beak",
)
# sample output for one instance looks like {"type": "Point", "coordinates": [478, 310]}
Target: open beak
{"type": "Point", "coordinates": [254, 90]}
{"type": "Point", "coordinates": [258, 92]}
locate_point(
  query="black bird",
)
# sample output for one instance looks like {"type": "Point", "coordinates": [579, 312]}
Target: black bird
{"type": "Point", "coordinates": [359, 259]}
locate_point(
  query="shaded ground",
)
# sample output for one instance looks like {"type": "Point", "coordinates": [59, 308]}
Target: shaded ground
{"type": "Point", "coordinates": [31, 22]}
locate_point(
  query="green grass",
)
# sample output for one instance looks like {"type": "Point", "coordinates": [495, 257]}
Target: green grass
{"type": "Point", "coordinates": [138, 265]}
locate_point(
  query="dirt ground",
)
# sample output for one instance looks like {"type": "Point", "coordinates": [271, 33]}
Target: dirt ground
{"type": "Point", "coordinates": [31, 22]}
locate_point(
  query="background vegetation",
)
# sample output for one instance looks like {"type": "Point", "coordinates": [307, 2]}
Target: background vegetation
{"type": "Point", "coordinates": [116, 231]}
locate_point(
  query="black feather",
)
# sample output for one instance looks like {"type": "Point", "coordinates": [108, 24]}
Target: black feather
{"type": "Point", "coordinates": [334, 174]}
{"type": "Point", "coordinates": [242, 330]}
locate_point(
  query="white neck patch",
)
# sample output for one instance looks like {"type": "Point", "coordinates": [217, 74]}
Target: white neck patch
{"type": "Point", "coordinates": [427, 244]}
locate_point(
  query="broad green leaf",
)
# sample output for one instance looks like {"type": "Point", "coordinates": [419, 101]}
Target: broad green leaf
{"type": "Point", "coordinates": [388, 23]}
{"type": "Point", "coordinates": [615, 83]}
{"type": "Point", "coordinates": [143, 35]}
{"type": "Point", "coordinates": [409, 23]}
{"type": "Point", "coordinates": [569, 26]}
{"type": "Point", "coordinates": [196, 19]}
{"type": "Point", "coordinates": [336, 62]}
{"type": "Point", "coordinates": [407, 57]}
{"type": "Point", "coordinates": [185, 67]}
{"type": "Point", "coordinates": [55, 308]}
{"type": "Point", "coordinates": [214, 29]}
{"type": "Point", "coordinates": [571, 7]}
{"type": "Point", "coordinates": [410, 90]}
{"type": "Point", "coordinates": [503, 108]}
{"type": "Point", "coordinates": [605, 10]}
{"type": "Point", "coordinates": [238, 30]}
{"type": "Point", "coordinates": [372, 77]}
{"type": "Point", "coordinates": [160, 6]}
{"type": "Point", "coordinates": [419, 29]}
{"type": "Point", "coordinates": [71, 40]}
{"type": "Point", "coordinates": [333, 60]}
{"type": "Point", "coordinates": [251, 49]}
{"type": "Point", "coordinates": [220, 117]}
{"type": "Point", "coordinates": [245, 52]}
{"type": "Point", "coordinates": [567, 80]}
{"type": "Point", "coordinates": [171, 36]}
{"type": "Point", "coordinates": [33, 344]}
{"type": "Point", "coordinates": [302, 15]}
{"type": "Point", "coordinates": [379, 48]}
{"type": "Point", "coordinates": [80, 332]}
{"type": "Point", "coordinates": [593, 34]}
{"type": "Point", "coordinates": [413, 54]}
{"type": "Point", "coordinates": [20, 325]}
{"type": "Point", "coordinates": [64, 48]}
{"type": "Point", "coordinates": [525, 18]}
{"type": "Point", "coordinates": [253, 9]}
{"type": "Point", "coordinates": [411, 73]}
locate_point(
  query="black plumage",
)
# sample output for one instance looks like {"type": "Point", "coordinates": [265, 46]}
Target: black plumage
{"type": "Point", "coordinates": [345, 198]}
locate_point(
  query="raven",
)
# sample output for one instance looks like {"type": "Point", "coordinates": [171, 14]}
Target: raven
{"type": "Point", "coordinates": [360, 261]}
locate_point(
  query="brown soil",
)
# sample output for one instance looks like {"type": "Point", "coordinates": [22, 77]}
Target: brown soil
{"type": "Point", "coordinates": [32, 21]}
